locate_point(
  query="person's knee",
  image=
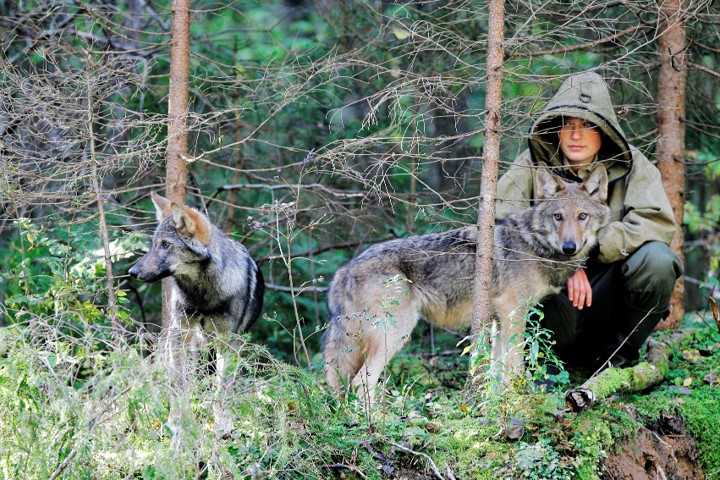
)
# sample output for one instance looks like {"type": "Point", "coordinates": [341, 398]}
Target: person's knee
{"type": "Point", "coordinates": [650, 275]}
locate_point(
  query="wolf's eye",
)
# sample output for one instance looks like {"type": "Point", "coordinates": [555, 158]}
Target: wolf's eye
{"type": "Point", "coordinates": [165, 244]}
{"type": "Point", "coordinates": [582, 216]}
{"type": "Point", "coordinates": [558, 217]}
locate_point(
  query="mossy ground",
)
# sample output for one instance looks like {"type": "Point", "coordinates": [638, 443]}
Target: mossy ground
{"type": "Point", "coordinates": [112, 422]}
{"type": "Point", "coordinates": [467, 434]}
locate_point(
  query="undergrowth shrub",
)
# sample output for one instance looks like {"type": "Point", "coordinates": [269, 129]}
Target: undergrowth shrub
{"type": "Point", "coordinates": [114, 424]}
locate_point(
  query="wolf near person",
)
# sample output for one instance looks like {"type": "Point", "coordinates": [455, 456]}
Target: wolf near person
{"type": "Point", "coordinates": [375, 301]}
{"type": "Point", "coordinates": [609, 308]}
{"type": "Point", "coordinates": [215, 285]}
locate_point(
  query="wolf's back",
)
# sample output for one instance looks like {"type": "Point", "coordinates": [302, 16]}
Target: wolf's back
{"type": "Point", "coordinates": [235, 280]}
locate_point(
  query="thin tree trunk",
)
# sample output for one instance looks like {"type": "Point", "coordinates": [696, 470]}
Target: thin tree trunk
{"type": "Point", "coordinates": [175, 188]}
{"type": "Point", "coordinates": [672, 80]}
{"type": "Point", "coordinates": [482, 307]}
{"type": "Point", "coordinates": [177, 149]}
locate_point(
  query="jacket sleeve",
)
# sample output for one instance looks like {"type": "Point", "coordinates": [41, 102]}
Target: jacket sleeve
{"type": "Point", "coordinates": [515, 187]}
{"type": "Point", "coordinates": [646, 214]}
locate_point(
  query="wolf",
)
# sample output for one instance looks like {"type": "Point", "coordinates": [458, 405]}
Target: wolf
{"type": "Point", "coordinates": [375, 300]}
{"type": "Point", "coordinates": [215, 285]}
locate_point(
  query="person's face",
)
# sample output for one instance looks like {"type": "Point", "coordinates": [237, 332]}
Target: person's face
{"type": "Point", "coordinates": [580, 140]}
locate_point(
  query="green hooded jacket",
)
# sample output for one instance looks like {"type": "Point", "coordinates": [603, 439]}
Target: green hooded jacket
{"type": "Point", "coordinates": [640, 208]}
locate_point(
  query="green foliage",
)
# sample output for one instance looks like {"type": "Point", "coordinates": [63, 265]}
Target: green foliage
{"type": "Point", "coordinates": [116, 425]}
{"type": "Point", "coordinates": [74, 404]}
{"type": "Point", "coordinates": [545, 369]}
{"type": "Point", "coordinates": [50, 275]}
{"type": "Point", "coordinates": [541, 362]}
{"type": "Point", "coordinates": [540, 462]}
{"type": "Point", "coordinates": [65, 408]}
{"type": "Point", "coordinates": [339, 126]}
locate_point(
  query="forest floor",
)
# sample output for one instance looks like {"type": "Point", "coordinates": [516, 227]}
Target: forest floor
{"type": "Point", "coordinates": [74, 409]}
{"type": "Point", "coordinates": [666, 431]}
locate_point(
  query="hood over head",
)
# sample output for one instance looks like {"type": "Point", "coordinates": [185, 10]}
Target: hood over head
{"type": "Point", "coordinates": [584, 96]}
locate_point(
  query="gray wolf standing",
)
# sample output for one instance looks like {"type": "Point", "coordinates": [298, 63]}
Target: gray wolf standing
{"type": "Point", "coordinates": [215, 285]}
{"type": "Point", "coordinates": [374, 301]}
{"type": "Point", "coordinates": [215, 288]}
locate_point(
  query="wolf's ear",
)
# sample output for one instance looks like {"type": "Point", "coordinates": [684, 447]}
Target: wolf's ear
{"type": "Point", "coordinates": [184, 223]}
{"type": "Point", "coordinates": [547, 184]}
{"type": "Point", "coordinates": [596, 183]}
{"type": "Point", "coordinates": [192, 227]}
{"type": "Point", "coordinates": [162, 206]}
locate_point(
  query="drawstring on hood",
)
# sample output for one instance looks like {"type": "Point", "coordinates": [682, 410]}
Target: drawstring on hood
{"type": "Point", "coordinates": [583, 96]}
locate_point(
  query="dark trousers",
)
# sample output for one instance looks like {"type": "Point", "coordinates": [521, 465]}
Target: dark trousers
{"type": "Point", "coordinates": [629, 299]}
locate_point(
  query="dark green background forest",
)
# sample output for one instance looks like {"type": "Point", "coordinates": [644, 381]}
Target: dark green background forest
{"type": "Point", "coordinates": [315, 129]}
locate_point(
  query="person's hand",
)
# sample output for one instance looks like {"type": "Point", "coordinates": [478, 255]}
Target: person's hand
{"type": "Point", "coordinates": [579, 290]}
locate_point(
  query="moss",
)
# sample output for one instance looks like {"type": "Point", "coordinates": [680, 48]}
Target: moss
{"type": "Point", "coordinates": [474, 447]}
{"type": "Point", "coordinates": [703, 421]}
{"type": "Point", "coordinates": [470, 448]}
{"type": "Point", "coordinates": [685, 391]}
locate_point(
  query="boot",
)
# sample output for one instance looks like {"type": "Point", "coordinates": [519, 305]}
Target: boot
{"type": "Point", "coordinates": [636, 328]}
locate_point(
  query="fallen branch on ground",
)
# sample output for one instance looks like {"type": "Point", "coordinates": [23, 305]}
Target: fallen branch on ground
{"type": "Point", "coordinates": [427, 457]}
{"type": "Point", "coordinates": [626, 380]}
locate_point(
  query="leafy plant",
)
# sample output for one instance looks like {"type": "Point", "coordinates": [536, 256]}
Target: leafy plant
{"type": "Point", "coordinates": [56, 280]}
{"type": "Point", "coordinates": [542, 363]}
{"type": "Point", "coordinates": [539, 461]}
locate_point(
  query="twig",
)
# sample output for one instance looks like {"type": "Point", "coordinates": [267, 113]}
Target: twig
{"type": "Point", "coordinates": [386, 467]}
{"type": "Point", "coordinates": [434, 467]}
{"type": "Point", "coordinates": [93, 423]}
{"type": "Point", "coordinates": [582, 46]}
{"type": "Point", "coordinates": [704, 69]}
{"type": "Point", "coordinates": [295, 291]}
{"type": "Point", "coordinates": [348, 467]}
{"type": "Point", "coordinates": [103, 225]}
{"type": "Point", "coordinates": [625, 340]}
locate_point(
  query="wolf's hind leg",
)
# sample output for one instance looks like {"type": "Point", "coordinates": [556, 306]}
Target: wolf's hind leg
{"type": "Point", "coordinates": [343, 360]}
{"type": "Point", "coordinates": [381, 344]}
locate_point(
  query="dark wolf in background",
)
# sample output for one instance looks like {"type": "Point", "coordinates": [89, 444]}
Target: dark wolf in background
{"type": "Point", "coordinates": [374, 301]}
{"type": "Point", "coordinates": [215, 285]}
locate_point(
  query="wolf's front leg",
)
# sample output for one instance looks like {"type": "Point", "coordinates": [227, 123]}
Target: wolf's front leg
{"type": "Point", "coordinates": [173, 354]}
{"type": "Point", "coordinates": [508, 354]}
{"type": "Point", "coordinates": [222, 417]}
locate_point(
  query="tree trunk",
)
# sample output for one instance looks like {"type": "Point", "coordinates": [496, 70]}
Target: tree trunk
{"type": "Point", "coordinates": [176, 166]}
{"type": "Point", "coordinates": [175, 189]}
{"type": "Point", "coordinates": [670, 151]}
{"type": "Point", "coordinates": [482, 307]}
